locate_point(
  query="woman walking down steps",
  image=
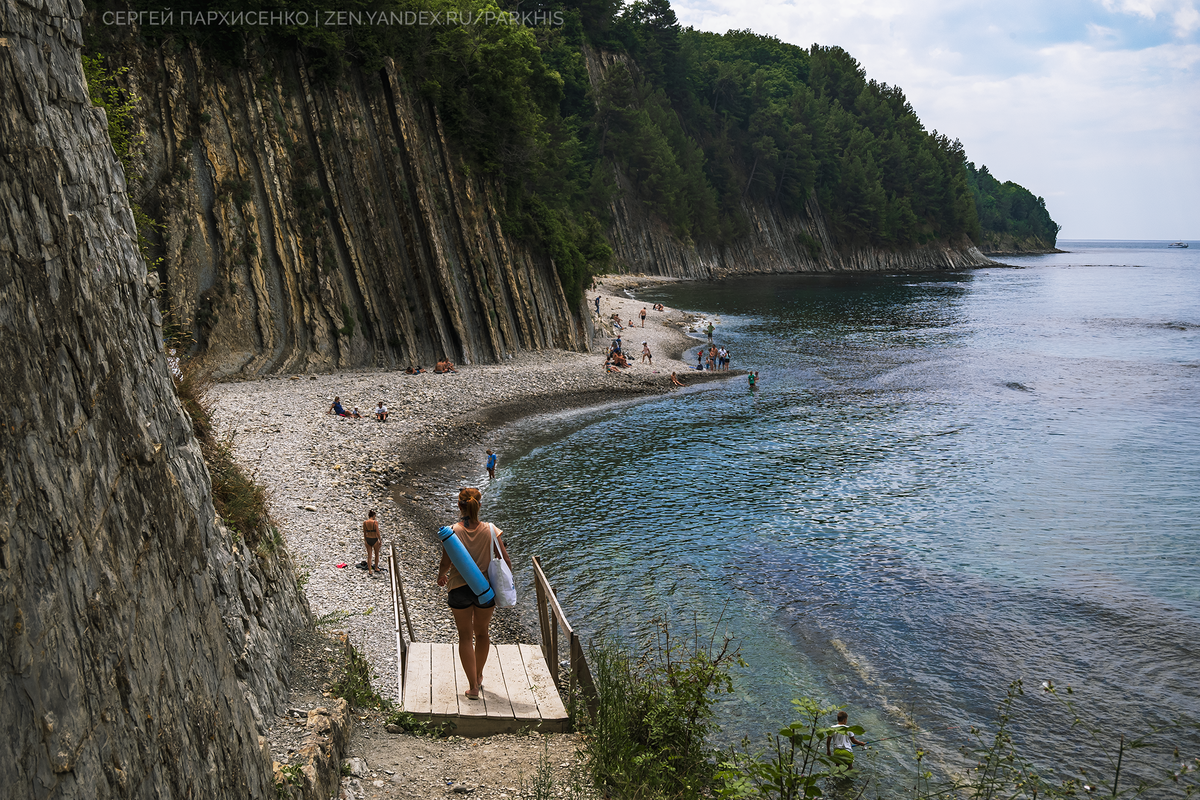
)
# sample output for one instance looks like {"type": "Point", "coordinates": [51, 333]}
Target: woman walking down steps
{"type": "Point", "coordinates": [470, 618]}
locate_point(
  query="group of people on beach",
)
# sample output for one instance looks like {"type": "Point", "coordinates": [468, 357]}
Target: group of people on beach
{"type": "Point", "coordinates": [380, 412]}
{"type": "Point", "coordinates": [713, 358]}
{"type": "Point", "coordinates": [615, 318]}
{"type": "Point", "coordinates": [443, 365]}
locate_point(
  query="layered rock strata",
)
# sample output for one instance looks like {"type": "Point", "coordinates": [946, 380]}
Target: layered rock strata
{"type": "Point", "coordinates": [140, 647]}
{"type": "Point", "coordinates": [310, 227]}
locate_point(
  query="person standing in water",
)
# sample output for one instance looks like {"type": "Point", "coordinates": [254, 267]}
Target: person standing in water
{"type": "Point", "coordinates": [372, 541]}
{"type": "Point", "coordinates": [470, 618]}
{"type": "Point", "coordinates": [840, 744]}
{"type": "Point", "coordinates": [491, 464]}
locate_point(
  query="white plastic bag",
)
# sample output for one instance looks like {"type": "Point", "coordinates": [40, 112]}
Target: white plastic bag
{"type": "Point", "coordinates": [500, 576]}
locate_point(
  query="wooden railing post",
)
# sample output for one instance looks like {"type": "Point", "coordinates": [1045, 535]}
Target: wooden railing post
{"type": "Point", "coordinates": [400, 604]}
{"type": "Point", "coordinates": [550, 619]}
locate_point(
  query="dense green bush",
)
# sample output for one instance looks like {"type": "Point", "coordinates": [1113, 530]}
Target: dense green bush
{"type": "Point", "coordinates": [650, 735]}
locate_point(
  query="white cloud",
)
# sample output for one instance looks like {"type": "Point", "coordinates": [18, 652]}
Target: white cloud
{"type": "Point", "coordinates": [1183, 14]}
{"type": "Point", "coordinates": [1142, 8]}
{"type": "Point", "coordinates": [1187, 20]}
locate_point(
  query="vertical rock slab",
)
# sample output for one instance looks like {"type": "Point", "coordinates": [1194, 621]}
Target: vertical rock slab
{"type": "Point", "coordinates": [116, 672]}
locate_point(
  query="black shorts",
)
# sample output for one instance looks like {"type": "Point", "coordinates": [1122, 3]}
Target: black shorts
{"type": "Point", "coordinates": [463, 597]}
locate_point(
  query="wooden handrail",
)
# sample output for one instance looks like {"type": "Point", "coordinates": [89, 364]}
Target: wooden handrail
{"type": "Point", "coordinates": [400, 602]}
{"type": "Point", "coordinates": [552, 619]}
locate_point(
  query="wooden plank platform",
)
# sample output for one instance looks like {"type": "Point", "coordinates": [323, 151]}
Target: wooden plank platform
{"type": "Point", "coordinates": [517, 690]}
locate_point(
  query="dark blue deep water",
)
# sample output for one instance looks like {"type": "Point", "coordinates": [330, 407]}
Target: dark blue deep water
{"type": "Point", "coordinates": [942, 484]}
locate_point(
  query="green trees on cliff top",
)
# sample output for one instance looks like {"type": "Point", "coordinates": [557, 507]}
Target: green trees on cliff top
{"type": "Point", "coordinates": [1012, 210]}
{"type": "Point", "coordinates": [700, 124]}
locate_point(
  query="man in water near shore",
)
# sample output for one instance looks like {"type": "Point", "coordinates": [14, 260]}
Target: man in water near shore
{"type": "Point", "coordinates": [840, 744]}
{"type": "Point", "coordinates": [753, 378]}
{"type": "Point", "coordinates": [491, 464]}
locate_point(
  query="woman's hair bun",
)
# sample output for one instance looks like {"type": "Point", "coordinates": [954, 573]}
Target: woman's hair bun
{"type": "Point", "coordinates": [468, 501]}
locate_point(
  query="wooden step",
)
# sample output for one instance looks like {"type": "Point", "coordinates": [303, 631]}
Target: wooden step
{"type": "Point", "coordinates": [518, 692]}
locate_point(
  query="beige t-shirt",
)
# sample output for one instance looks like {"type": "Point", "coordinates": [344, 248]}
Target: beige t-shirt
{"type": "Point", "coordinates": [478, 543]}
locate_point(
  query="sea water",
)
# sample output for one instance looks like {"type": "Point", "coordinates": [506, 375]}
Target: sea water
{"type": "Point", "coordinates": [942, 483]}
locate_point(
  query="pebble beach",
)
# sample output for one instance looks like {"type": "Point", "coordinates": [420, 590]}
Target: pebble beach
{"type": "Point", "coordinates": [323, 473]}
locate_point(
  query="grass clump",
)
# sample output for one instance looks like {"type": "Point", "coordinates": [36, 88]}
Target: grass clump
{"type": "Point", "coordinates": [240, 502]}
{"type": "Point", "coordinates": [549, 783]}
{"type": "Point", "coordinates": [290, 775]}
{"type": "Point", "coordinates": [355, 684]}
{"type": "Point", "coordinates": [795, 764]}
{"type": "Point", "coordinates": [649, 736]}
{"type": "Point", "coordinates": [1004, 761]}
{"type": "Point", "coordinates": [418, 727]}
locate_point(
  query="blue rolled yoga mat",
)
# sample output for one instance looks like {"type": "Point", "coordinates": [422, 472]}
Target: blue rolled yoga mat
{"type": "Point", "coordinates": [465, 565]}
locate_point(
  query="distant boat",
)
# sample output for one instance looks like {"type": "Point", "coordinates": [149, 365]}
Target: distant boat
{"type": "Point", "coordinates": [1178, 244]}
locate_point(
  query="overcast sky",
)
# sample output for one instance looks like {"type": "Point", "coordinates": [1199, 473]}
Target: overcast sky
{"type": "Point", "coordinates": [1092, 104]}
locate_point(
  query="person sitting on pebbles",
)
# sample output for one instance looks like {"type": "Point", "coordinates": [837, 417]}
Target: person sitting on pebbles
{"type": "Point", "coordinates": [337, 408]}
{"type": "Point", "coordinates": [617, 359]}
{"type": "Point", "coordinates": [444, 365]}
{"type": "Point", "coordinates": [675, 380]}
{"type": "Point", "coordinates": [381, 412]}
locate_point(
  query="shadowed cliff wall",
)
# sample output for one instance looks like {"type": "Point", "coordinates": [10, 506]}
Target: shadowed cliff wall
{"type": "Point", "coordinates": [313, 227]}
{"type": "Point", "coordinates": [139, 648]}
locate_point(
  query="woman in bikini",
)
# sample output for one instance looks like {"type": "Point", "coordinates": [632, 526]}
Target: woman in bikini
{"type": "Point", "coordinates": [470, 617]}
{"type": "Point", "coordinates": [372, 539]}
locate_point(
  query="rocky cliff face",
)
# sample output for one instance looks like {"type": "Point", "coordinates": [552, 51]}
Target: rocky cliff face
{"type": "Point", "coordinates": [777, 243]}
{"type": "Point", "coordinates": [312, 227]}
{"type": "Point", "coordinates": [138, 647]}
{"type": "Point", "coordinates": [1005, 244]}
{"type": "Point", "coordinates": [309, 227]}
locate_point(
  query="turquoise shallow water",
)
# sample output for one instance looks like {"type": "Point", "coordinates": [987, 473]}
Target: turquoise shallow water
{"type": "Point", "coordinates": [942, 484]}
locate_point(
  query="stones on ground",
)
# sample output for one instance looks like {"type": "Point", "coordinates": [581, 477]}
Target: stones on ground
{"type": "Point", "coordinates": [320, 515]}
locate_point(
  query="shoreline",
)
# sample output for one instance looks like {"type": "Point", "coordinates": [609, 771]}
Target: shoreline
{"type": "Point", "coordinates": [324, 473]}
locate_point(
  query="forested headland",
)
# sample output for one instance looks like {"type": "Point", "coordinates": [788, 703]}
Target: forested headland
{"type": "Point", "coordinates": [696, 120]}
